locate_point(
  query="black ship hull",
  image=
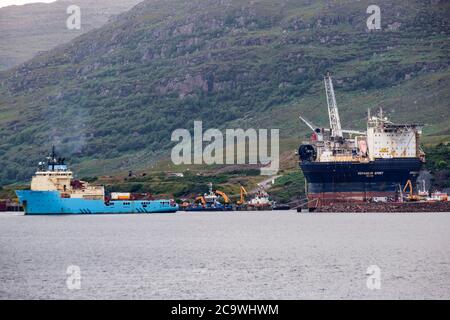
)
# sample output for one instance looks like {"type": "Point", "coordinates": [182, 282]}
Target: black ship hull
{"type": "Point", "coordinates": [329, 182]}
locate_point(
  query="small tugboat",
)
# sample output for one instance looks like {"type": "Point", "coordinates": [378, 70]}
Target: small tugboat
{"type": "Point", "coordinates": [54, 191]}
{"type": "Point", "coordinates": [210, 202]}
{"type": "Point", "coordinates": [438, 196]}
{"type": "Point", "coordinates": [261, 201]}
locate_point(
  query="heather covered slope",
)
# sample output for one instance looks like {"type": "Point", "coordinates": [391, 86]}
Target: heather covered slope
{"type": "Point", "coordinates": [111, 98]}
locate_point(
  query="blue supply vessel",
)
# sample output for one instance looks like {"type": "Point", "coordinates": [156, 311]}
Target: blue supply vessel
{"type": "Point", "coordinates": [54, 191]}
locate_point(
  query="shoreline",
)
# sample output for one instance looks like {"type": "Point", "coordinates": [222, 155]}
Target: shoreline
{"type": "Point", "coordinates": [408, 207]}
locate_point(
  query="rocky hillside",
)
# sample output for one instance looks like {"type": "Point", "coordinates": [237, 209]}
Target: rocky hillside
{"type": "Point", "coordinates": [111, 98]}
{"type": "Point", "coordinates": [29, 29]}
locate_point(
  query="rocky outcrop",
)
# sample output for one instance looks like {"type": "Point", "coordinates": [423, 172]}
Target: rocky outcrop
{"type": "Point", "coordinates": [185, 86]}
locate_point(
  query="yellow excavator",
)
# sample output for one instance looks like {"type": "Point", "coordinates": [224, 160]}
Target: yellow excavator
{"type": "Point", "coordinates": [200, 199]}
{"type": "Point", "coordinates": [243, 194]}
{"type": "Point", "coordinates": [223, 195]}
{"type": "Point", "coordinates": [411, 196]}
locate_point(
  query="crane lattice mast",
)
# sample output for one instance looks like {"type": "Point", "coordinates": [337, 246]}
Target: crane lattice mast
{"type": "Point", "coordinates": [333, 112]}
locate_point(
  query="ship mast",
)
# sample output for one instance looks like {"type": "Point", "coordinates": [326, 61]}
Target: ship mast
{"type": "Point", "coordinates": [333, 112]}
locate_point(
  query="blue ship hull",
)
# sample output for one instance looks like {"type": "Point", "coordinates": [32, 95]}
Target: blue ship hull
{"type": "Point", "coordinates": [51, 202]}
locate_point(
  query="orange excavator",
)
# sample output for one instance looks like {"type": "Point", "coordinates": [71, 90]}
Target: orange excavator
{"type": "Point", "coordinates": [411, 196]}
{"type": "Point", "coordinates": [243, 194]}
{"type": "Point", "coordinates": [211, 198]}
{"type": "Point", "coordinates": [223, 195]}
{"type": "Point", "coordinates": [200, 199]}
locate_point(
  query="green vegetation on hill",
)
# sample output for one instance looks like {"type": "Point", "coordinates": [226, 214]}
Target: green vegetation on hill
{"type": "Point", "coordinates": [289, 187]}
{"type": "Point", "coordinates": [438, 163]}
{"type": "Point", "coordinates": [111, 98]}
{"type": "Point", "coordinates": [190, 185]}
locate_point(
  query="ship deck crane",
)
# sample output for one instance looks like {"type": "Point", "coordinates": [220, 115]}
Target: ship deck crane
{"type": "Point", "coordinates": [333, 112]}
{"type": "Point", "coordinates": [314, 128]}
{"type": "Point", "coordinates": [309, 124]}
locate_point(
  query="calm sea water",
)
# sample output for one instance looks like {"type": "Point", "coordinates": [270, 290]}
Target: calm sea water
{"type": "Point", "coordinates": [240, 255]}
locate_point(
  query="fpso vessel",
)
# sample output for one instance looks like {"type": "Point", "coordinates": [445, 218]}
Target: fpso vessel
{"type": "Point", "coordinates": [347, 165]}
{"type": "Point", "coordinates": [54, 191]}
